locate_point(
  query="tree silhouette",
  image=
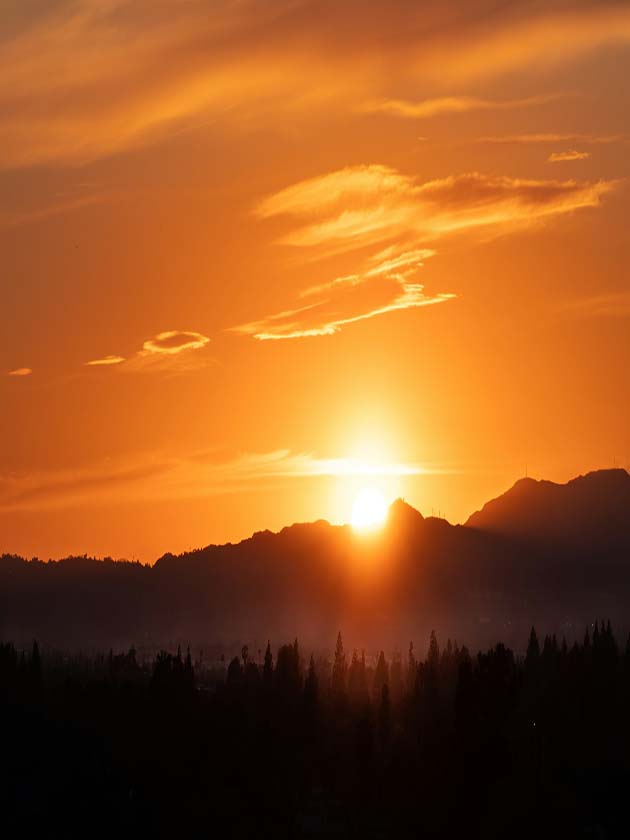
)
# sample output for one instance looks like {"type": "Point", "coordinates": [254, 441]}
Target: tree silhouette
{"type": "Point", "coordinates": [412, 667]}
{"type": "Point", "coordinates": [339, 668]}
{"type": "Point", "coordinates": [268, 666]}
{"type": "Point", "coordinates": [433, 657]}
{"type": "Point", "coordinates": [357, 680]}
{"type": "Point", "coordinates": [310, 685]}
{"type": "Point", "coordinates": [396, 678]}
{"type": "Point", "coordinates": [189, 672]}
{"type": "Point", "coordinates": [234, 673]}
{"type": "Point", "coordinates": [140, 740]}
{"type": "Point", "coordinates": [381, 676]}
{"type": "Point", "coordinates": [533, 651]}
{"type": "Point", "coordinates": [36, 674]}
{"type": "Point", "coordinates": [288, 677]}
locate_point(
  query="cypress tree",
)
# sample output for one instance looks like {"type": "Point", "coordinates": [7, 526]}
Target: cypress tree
{"type": "Point", "coordinates": [339, 668]}
{"type": "Point", "coordinates": [381, 675]}
{"type": "Point", "coordinates": [268, 666]}
{"type": "Point", "coordinates": [310, 685]}
{"type": "Point", "coordinates": [533, 650]}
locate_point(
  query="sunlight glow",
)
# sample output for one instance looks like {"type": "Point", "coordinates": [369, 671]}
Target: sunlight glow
{"type": "Point", "coordinates": [369, 510]}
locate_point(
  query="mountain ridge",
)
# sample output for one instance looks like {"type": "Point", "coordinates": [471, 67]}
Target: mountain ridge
{"type": "Point", "coordinates": [582, 508]}
{"type": "Point", "coordinates": [309, 579]}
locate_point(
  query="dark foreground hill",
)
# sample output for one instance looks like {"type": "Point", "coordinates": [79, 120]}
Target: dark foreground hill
{"type": "Point", "coordinates": [554, 555]}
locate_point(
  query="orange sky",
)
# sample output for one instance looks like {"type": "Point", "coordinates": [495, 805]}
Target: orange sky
{"type": "Point", "coordinates": [257, 256]}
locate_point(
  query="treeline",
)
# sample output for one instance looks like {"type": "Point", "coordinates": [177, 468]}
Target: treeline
{"type": "Point", "coordinates": [294, 745]}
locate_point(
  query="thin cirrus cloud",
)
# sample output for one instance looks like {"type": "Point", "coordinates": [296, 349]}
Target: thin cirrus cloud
{"type": "Point", "coordinates": [551, 137]}
{"type": "Point", "coordinates": [569, 155]}
{"type": "Point", "coordinates": [105, 361]}
{"type": "Point", "coordinates": [385, 287]}
{"type": "Point", "coordinates": [53, 207]}
{"type": "Point", "coordinates": [90, 78]}
{"type": "Point", "coordinates": [368, 204]}
{"type": "Point", "coordinates": [606, 305]}
{"type": "Point", "coordinates": [376, 205]}
{"type": "Point", "coordinates": [21, 371]}
{"type": "Point", "coordinates": [427, 108]}
{"type": "Point", "coordinates": [168, 350]}
{"type": "Point", "coordinates": [548, 35]}
{"type": "Point", "coordinates": [157, 476]}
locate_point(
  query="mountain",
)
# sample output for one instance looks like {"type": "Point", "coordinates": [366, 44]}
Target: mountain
{"type": "Point", "coordinates": [591, 512]}
{"type": "Point", "coordinates": [556, 555]}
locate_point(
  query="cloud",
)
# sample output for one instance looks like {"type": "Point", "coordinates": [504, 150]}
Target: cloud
{"type": "Point", "coordinates": [168, 350]}
{"type": "Point", "coordinates": [570, 154]}
{"type": "Point", "coordinates": [607, 305]}
{"type": "Point", "coordinates": [448, 105]}
{"type": "Point", "coordinates": [368, 204]}
{"type": "Point", "coordinates": [513, 36]}
{"type": "Point", "coordinates": [172, 342]}
{"type": "Point", "coordinates": [324, 191]}
{"type": "Point", "coordinates": [56, 206]}
{"type": "Point", "coordinates": [157, 476]}
{"type": "Point", "coordinates": [384, 288]}
{"type": "Point", "coordinates": [83, 79]}
{"type": "Point", "coordinates": [376, 205]}
{"type": "Point", "coordinates": [23, 371]}
{"type": "Point", "coordinates": [106, 360]}
{"type": "Point", "coordinates": [529, 139]}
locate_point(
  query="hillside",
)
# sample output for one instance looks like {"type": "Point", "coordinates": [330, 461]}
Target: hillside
{"type": "Point", "coordinates": [547, 553]}
{"type": "Point", "coordinates": [591, 511]}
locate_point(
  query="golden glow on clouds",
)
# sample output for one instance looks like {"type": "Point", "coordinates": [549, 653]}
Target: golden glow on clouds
{"type": "Point", "coordinates": [571, 154]}
{"type": "Point", "coordinates": [448, 105]}
{"type": "Point", "coordinates": [172, 342]}
{"type": "Point", "coordinates": [370, 204]}
{"type": "Point", "coordinates": [607, 305]}
{"type": "Point", "coordinates": [550, 137]}
{"type": "Point", "coordinates": [326, 316]}
{"type": "Point", "coordinates": [377, 205]}
{"type": "Point", "coordinates": [59, 204]}
{"type": "Point", "coordinates": [159, 476]}
{"type": "Point", "coordinates": [105, 361]}
{"type": "Point", "coordinates": [136, 137]}
{"type": "Point", "coordinates": [555, 32]}
{"type": "Point", "coordinates": [168, 350]}
{"type": "Point", "coordinates": [92, 78]}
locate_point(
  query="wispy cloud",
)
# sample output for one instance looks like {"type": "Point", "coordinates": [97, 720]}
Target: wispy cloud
{"type": "Point", "coordinates": [90, 78]}
{"type": "Point", "coordinates": [168, 350]}
{"type": "Point", "coordinates": [377, 205]}
{"type": "Point", "coordinates": [448, 105]}
{"type": "Point", "coordinates": [507, 37]}
{"type": "Point", "coordinates": [607, 305]}
{"type": "Point", "coordinates": [106, 360]}
{"type": "Point", "coordinates": [551, 137]}
{"type": "Point", "coordinates": [156, 476]}
{"type": "Point", "coordinates": [55, 206]}
{"type": "Point", "coordinates": [173, 342]}
{"type": "Point", "coordinates": [368, 204]}
{"type": "Point", "coordinates": [22, 371]}
{"type": "Point", "coordinates": [386, 287]}
{"type": "Point", "coordinates": [570, 154]}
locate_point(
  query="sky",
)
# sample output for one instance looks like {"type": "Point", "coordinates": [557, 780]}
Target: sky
{"type": "Point", "coordinates": [261, 255]}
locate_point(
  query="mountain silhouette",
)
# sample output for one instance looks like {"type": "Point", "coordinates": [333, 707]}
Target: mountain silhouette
{"type": "Point", "coordinates": [552, 554]}
{"type": "Point", "coordinates": [591, 511]}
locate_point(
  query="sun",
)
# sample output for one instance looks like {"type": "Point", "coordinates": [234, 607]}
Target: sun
{"type": "Point", "coordinates": [369, 510]}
